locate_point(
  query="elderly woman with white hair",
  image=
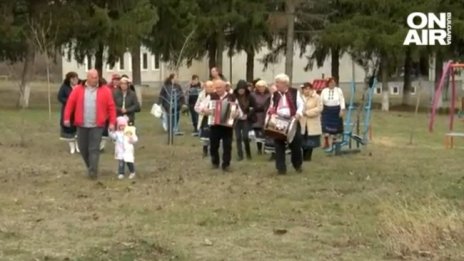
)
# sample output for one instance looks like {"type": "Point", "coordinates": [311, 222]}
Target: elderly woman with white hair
{"type": "Point", "coordinates": [287, 103]}
{"type": "Point", "coordinates": [259, 102]}
{"type": "Point", "coordinates": [203, 126]}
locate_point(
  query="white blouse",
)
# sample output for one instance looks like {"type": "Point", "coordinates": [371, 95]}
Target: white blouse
{"type": "Point", "coordinates": [333, 97]}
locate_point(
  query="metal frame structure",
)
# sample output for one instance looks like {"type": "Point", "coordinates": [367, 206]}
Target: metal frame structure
{"type": "Point", "coordinates": [449, 70]}
{"type": "Point", "coordinates": [172, 101]}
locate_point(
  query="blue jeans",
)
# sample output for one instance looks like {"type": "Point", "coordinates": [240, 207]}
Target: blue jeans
{"type": "Point", "coordinates": [194, 117]}
{"type": "Point", "coordinates": [121, 167]}
{"type": "Point", "coordinates": [175, 119]}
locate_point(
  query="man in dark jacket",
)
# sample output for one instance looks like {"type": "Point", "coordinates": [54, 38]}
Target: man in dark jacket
{"type": "Point", "coordinates": [126, 101]}
{"type": "Point", "coordinates": [193, 91]}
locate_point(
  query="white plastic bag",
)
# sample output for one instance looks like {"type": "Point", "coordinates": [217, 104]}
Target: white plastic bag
{"type": "Point", "coordinates": [156, 110]}
{"type": "Point", "coordinates": [252, 135]}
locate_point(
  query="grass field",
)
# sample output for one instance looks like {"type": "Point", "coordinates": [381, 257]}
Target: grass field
{"type": "Point", "coordinates": [393, 201]}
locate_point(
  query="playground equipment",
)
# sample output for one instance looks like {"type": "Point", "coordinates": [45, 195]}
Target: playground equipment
{"type": "Point", "coordinates": [449, 69]}
{"type": "Point", "coordinates": [363, 129]}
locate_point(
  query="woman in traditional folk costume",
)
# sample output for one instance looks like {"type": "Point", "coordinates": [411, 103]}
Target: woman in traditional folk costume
{"type": "Point", "coordinates": [311, 128]}
{"type": "Point", "coordinates": [332, 114]}
{"type": "Point", "coordinates": [203, 126]}
{"type": "Point", "coordinates": [260, 100]}
{"type": "Point", "coordinates": [68, 133]}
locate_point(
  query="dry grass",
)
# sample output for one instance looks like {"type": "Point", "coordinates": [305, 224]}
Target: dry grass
{"type": "Point", "coordinates": [426, 228]}
{"type": "Point", "coordinates": [179, 209]}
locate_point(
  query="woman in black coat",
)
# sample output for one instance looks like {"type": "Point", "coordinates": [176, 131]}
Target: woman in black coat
{"type": "Point", "coordinates": [68, 133]}
{"type": "Point", "coordinates": [126, 101]}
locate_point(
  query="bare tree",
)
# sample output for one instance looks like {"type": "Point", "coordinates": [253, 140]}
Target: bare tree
{"type": "Point", "coordinates": [44, 34]}
{"type": "Point", "coordinates": [290, 12]}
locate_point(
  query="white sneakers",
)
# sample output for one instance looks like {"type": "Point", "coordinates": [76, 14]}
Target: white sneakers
{"type": "Point", "coordinates": [72, 147]}
{"type": "Point", "coordinates": [102, 144]}
{"type": "Point", "coordinates": [131, 176]}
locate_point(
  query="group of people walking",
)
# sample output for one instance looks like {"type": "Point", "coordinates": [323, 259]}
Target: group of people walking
{"type": "Point", "coordinates": [93, 110]}
{"type": "Point", "coordinates": [90, 110]}
{"type": "Point", "coordinates": [315, 115]}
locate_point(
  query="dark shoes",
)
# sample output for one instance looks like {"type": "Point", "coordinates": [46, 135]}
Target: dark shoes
{"type": "Point", "coordinates": [284, 172]}
{"type": "Point", "coordinates": [272, 157]}
{"type": "Point", "coordinates": [224, 168]}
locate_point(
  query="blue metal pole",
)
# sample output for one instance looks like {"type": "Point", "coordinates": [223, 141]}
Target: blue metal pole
{"type": "Point", "coordinates": [175, 111]}
{"type": "Point", "coordinates": [368, 110]}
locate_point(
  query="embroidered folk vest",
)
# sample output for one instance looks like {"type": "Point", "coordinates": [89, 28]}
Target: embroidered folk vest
{"type": "Point", "coordinates": [291, 95]}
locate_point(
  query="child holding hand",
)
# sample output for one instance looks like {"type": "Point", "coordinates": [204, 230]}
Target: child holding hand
{"type": "Point", "coordinates": [124, 138]}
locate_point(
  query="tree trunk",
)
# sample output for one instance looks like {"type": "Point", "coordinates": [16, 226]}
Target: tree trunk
{"type": "Point", "coordinates": [135, 60]}
{"type": "Point", "coordinates": [290, 12]}
{"type": "Point", "coordinates": [26, 75]}
{"type": "Point", "coordinates": [250, 66]}
{"type": "Point", "coordinates": [335, 57]}
{"type": "Point", "coordinates": [212, 55]}
{"type": "Point", "coordinates": [99, 59]}
{"type": "Point", "coordinates": [407, 77]}
{"type": "Point", "coordinates": [220, 53]}
{"type": "Point", "coordinates": [49, 92]}
{"type": "Point", "coordinates": [424, 65]}
{"type": "Point", "coordinates": [385, 88]}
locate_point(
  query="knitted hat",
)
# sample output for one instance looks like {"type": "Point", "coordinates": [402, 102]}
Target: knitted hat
{"type": "Point", "coordinates": [122, 121]}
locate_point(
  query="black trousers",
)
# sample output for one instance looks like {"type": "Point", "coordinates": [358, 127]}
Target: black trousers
{"type": "Point", "coordinates": [242, 127]}
{"type": "Point", "coordinates": [218, 133]}
{"type": "Point", "coordinates": [296, 152]}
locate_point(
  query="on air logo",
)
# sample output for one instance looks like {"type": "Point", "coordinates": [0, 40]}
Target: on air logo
{"type": "Point", "coordinates": [428, 29]}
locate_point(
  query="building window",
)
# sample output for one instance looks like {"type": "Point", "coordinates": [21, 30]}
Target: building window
{"type": "Point", "coordinates": [144, 62]}
{"type": "Point", "coordinates": [395, 90]}
{"type": "Point", "coordinates": [121, 63]}
{"type": "Point", "coordinates": [413, 90]}
{"type": "Point", "coordinates": [155, 62]}
{"type": "Point", "coordinates": [109, 68]}
{"type": "Point", "coordinates": [378, 90]}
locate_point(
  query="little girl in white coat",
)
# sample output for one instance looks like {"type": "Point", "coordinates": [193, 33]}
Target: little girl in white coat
{"type": "Point", "coordinates": [124, 138]}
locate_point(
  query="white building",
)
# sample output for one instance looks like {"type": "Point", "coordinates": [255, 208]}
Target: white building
{"type": "Point", "coordinates": [154, 71]}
